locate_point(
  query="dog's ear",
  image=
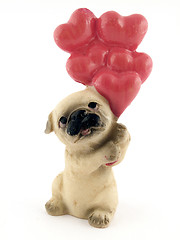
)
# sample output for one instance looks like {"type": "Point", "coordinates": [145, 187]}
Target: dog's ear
{"type": "Point", "coordinates": [49, 124]}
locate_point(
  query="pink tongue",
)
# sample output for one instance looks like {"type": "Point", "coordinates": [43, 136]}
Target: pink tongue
{"type": "Point", "coordinates": [85, 132]}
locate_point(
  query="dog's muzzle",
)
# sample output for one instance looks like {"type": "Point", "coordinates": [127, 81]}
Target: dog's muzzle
{"type": "Point", "coordinates": [80, 121]}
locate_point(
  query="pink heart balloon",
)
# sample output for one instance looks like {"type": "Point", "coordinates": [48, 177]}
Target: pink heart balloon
{"type": "Point", "coordinates": [122, 60]}
{"type": "Point", "coordinates": [125, 32]}
{"type": "Point", "coordinates": [79, 30]}
{"type": "Point", "coordinates": [118, 88]}
{"type": "Point", "coordinates": [82, 66]}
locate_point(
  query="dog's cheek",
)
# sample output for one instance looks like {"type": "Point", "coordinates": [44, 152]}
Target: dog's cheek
{"type": "Point", "coordinates": [60, 133]}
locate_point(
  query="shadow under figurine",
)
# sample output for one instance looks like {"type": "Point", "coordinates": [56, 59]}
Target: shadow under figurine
{"type": "Point", "coordinates": [103, 58]}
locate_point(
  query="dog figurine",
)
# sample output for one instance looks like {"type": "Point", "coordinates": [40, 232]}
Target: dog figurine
{"type": "Point", "coordinates": [94, 143]}
{"type": "Point", "coordinates": [103, 57]}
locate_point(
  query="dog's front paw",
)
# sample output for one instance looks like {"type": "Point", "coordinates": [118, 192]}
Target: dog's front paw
{"type": "Point", "coordinates": [99, 219]}
{"type": "Point", "coordinates": [122, 135]}
{"type": "Point", "coordinates": [55, 207]}
{"type": "Point", "coordinates": [112, 152]}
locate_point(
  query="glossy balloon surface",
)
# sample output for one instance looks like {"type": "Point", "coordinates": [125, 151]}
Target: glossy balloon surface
{"type": "Point", "coordinates": [118, 88]}
{"type": "Point", "coordinates": [82, 66]}
{"type": "Point", "coordinates": [103, 54]}
{"type": "Point", "coordinates": [122, 60]}
{"type": "Point", "coordinates": [126, 32]}
{"type": "Point", "coordinates": [79, 30]}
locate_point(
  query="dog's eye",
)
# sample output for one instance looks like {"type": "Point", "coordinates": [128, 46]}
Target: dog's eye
{"type": "Point", "coordinates": [93, 105]}
{"type": "Point", "coordinates": [62, 122]}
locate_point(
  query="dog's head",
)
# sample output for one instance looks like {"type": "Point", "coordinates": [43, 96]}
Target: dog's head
{"type": "Point", "coordinates": [82, 120]}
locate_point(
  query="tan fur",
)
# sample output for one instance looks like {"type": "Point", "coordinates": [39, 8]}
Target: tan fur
{"type": "Point", "coordinates": [87, 188]}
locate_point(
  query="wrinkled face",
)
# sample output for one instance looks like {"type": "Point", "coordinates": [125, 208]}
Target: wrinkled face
{"type": "Point", "coordinates": [81, 118]}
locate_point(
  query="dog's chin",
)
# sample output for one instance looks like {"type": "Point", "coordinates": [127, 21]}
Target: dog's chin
{"type": "Point", "coordinates": [87, 134]}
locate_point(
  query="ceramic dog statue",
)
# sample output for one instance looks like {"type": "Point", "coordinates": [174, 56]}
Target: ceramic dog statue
{"type": "Point", "coordinates": [103, 57]}
{"type": "Point", "coordinates": [94, 143]}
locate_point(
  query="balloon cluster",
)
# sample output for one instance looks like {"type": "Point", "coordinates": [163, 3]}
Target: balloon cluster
{"type": "Point", "coordinates": [103, 54]}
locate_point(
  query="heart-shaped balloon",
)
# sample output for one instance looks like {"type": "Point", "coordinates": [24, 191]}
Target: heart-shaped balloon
{"type": "Point", "coordinates": [118, 88]}
{"type": "Point", "coordinates": [125, 32]}
{"type": "Point", "coordinates": [103, 54]}
{"type": "Point", "coordinates": [79, 30]}
{"type": "Point", "coordinates": [82, 66]}
{"type": "Point", "coordinates": [122, 60]}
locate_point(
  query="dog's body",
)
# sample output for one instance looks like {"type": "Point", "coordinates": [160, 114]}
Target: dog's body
{"type": "Point", "coordinates": [87, 188]}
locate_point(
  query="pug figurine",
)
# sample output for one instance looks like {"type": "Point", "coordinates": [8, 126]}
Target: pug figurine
{"type": "Point", "coordinates": [103, 57]}
{"type": "Point", "coordinates": [94, 143]}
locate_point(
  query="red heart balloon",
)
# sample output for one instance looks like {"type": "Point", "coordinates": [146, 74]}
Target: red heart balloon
{"type": "Point", "coordinates": [125, 32]}
{"type": "Point", "coordinates": [118, 88]}
{"type": "Point", "coordinates": [82, 66]}
{"type": "Point", "coordinates": [79, 30]}
{"type": "Point", "coordinates": [122, 60]}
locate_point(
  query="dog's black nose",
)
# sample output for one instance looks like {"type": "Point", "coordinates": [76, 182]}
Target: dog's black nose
{"type": "Point", "coordinates": [74, 123]}
{"type": "Point", "coordinates": [90, 120]}
{"type": "Point", "coordinates": [80, 120]}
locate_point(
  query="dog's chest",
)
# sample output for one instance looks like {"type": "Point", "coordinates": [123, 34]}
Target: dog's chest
{"type": "Point", "coordinates": [79, 193]}
{"type": "Point", "coordinates": [82, 187]}
{"type": "Point", "coordinates": [82, 192]}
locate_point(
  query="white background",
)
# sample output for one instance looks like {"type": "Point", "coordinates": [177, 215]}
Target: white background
{"type": "Point", "coordinates": [34, 79]}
